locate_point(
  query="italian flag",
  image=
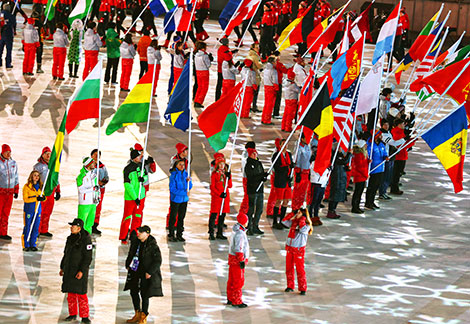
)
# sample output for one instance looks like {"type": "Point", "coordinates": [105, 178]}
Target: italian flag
{"type": "Point", "coordinates": [135, 108]}
{"type": "Point", "coordinates": [54, 162]}
{"type": "Point", "coordinates": [81, 9]}
{"type": "Point", "coordinates": [220, 119]}
{"type": "Point", "coordinates": [85, 103]}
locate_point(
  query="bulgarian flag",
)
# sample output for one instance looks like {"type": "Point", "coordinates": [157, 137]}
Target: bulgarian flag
{"type": "Point", "coordinates": [85, 103]}
{"type": "Point", "coordinates": [50, 9]}
{"type": "Point", "coordinates": [135, 108]}
{"type": "Point", "coordinates": [80, 11]}
{"type": "Point", "coordinates": [54, 162]}
{"type": "Point", "coordinates": [220, 119]}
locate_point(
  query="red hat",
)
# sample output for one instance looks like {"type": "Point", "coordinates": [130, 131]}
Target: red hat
{"type": "Point", "coordinates": [377, 134]}
{"type": "Point", "coordinates": [242, 219]}
{"type": "Point", "coordinates": [180, 148]}
{"type": "Point", "coordinates": [46, 149]}
{"type": "Point", "coordinates": [291, 74]}
{"type": "Point", "coordinates": [138, 147]}
{"type": "Point", "coordinates": [31, 21]}
{"type": "Point", "coordinates": [248, 62]}
{"type": "Point", "coordinates": [6, 148]}
{"type": "Point", "coordinates": [219, 157]}
{"type": "Point", "coordinates": [251, 150]}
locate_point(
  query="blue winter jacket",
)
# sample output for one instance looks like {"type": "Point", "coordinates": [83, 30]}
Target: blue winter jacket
{"type": "Point", "coordinates": [179, 186]}
{"type": "Point", "coordinates": [379, 155]}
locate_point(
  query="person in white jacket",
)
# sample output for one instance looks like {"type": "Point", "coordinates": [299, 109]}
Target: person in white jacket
{"type": "Point", "coordinates": [30, 44]}
{"type": "Point", "coordinates": [202, 64]}
{"type": "Point", "coordinates": [128, 52]}
{"type": "Point", "coordinates": [59, 53]}
{"type": "Point", "coordinates": [88, 193]}
{"type": "Point", "coordinates": [91, 45]}
{"type": "Point", "coordinates": [271, 87]}
{"type": "Point", "coordinates": [318, 184]}
{"type": "Point", "coordinates": [154, 58]}
{"type": "Point", "coordinates": [299, 70]}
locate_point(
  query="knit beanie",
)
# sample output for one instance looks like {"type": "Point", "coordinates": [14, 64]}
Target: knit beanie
{"type": "Point", "coordinates": [134, 154]}
{"type": "Point", "coordinates": [6, 148]}
{"type": "Point", "coordinates": [242, 219]}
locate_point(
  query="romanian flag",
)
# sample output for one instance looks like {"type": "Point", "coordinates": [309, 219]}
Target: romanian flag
{"type": "Point", "coordinates": [177, 112]}
{"type": "Point", "coordinates": [325, 32]}
{"type": "Point", "coordinates": [135, 108]}
{"type": "Point", "coordinates": [448, 140]}
{"type": "Point", "coordinates": [220, 119]}
{"type": "Point", "coordinates": [319, 118]}
{"type": "Point", "coordinates": [50, 9]}
{"type": "Point", "coordinates": [297, 31]}
{"type": "Point", "coordinates": [52, 180]}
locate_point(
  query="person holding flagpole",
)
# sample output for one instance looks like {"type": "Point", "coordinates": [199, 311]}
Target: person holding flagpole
{"type": "Point", "coordinates": [32, 197]}
{"type": "Point", "coordinates": [219, 177]}
{"type": "Point", "coordinates": [88, 193]}
{"type": "Point", "coordinates": [202, 63]}
{"type": "Point", "coordinates": [91, 45]}
{"type": "Point", "coordinates": [103, 179]}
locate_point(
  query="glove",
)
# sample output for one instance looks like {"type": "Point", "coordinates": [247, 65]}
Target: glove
{"type": "Point", "coordinates": [242, 265]}
{"type": "Point", "coordinates": [228, 174]}
{"type": "Point", "coordinates": [223, 195]}
{"type": "Point", "coordinates": [137, 202]}
{"type": "Point", "coordinates": [96, 188]}
{"type": "Point", "coordinates": [237, 63]}
{"type": "Point", "coordinates": [150, 160]}
{"type": "Point", "coordinates": [234, 51]}
{"type": "Point", "coordinates": [141, 179]}
{"type": "Point", "coordinates": [57, 196]}
{"type": "Point", "coordinates": [41, 198]}
{"type": "Point", "coordinates": [407, 138]}
{"type": "Point", "coordinates": [298, 177]}
{"type": "Point", "coordinates": [15, 195]}
{"type": "Point", "coordinates": [211, 57]}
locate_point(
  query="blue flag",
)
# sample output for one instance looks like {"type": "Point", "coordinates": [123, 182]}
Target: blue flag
{"type": "Point", "coordinates": [228, 12]}
{"type": "Point", "coordinates": [177, 112]}
{"type": "Point", "coordinates": [159, 7]}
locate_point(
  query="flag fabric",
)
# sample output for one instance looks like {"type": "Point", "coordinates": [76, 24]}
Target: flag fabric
{"type": "Point", "coordinates": [306, 94]}
{"type": "Point", "coordinates": [235, 12]}
{"type": "Point", "coordinates": [54, 161]}
{"type": "Point", "coordinates": [345, 69]}
{"type": "Point", "coordinates": [424, 40]}
{"type": "Point", "coordinates": [80, 10]}
{"type": "Point", "coordinates": [319, 118]}
{"type": "Point", "coordinates": [450, 52]}
{"type": "Point", "coordinates": [158, 7]}
{"type": "Point", "coordinates": [220, 119]}
{"type": "Point", "coordinates": [440, 80]}
{"type": "Point", "coordinates": [387, 33]}
{"type": "Point", "coordinates": [362, 25]}
{"type": "Point", "coordinates": [345, 41]}
{"type": "Point", "coordinates": [325, 32]}
{"type": "Point", "coordinates": [179, 18]}
{"type": "Point", "coordinates": [86, 102]}
{"type": "Point", "coordinates": [427, 63]}
{"type": "Point", "coordinates": [404, 65]}
{"type": "Point", "coordinates": [467, 107]}
{"type": "Point", "coordinates": [50, 9]}
{"type": "Point", "coordinates": [459, 55]}
{"type": "Point", "coordinates": [344, 113]}
{"type": "Point", "coordinates": [177, 111]}
{"type": "Point", "coordinates": [448, 140]}
{"type": "Point", "coordinates": [368, 95]}
{"type": "Point", "coordinates": [135, 108]}
{"type": "Point", "coordinates": [297, 31]}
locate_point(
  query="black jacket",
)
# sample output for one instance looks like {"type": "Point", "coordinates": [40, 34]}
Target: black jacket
{"type": "Point", "coordinates": [150, 260]}
{"type": "Point", "coordinates": [254, 172]}
{"type": "Point", "coordinates": [78, 253]}
{"type": "Point", "coordinates": [282, 177]}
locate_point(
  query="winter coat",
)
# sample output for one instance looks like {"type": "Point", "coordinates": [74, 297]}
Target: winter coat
{"type": "Point", "coordinates": [85, 186]}
{"type": "Point", "coordinates": [359, 167]}
{"type": "Point", "coordinates": [300, 74]}
{"type": "Point", "coordinates": [179, 61]}
{"type": "Point", "coordinates": [339, 179]}
{"type": "Point", "coordinates": [202, 61]}
{"type": "Point", "coordinates": [92, 41]}
{"type": "Point", "coordinates": [150, 260]}
{"type": "Point", "coordinates": [217, 188]}
{"type": "Point", "coordinates": [304, 154]}
{"type": "Point", "coordinates": [142, 46]}
{"type": "Point", "coordinates": [112, 44]}
{"type": "Point", "coordinates": [127, 50]}
{"type": "Point", "coordinates": [399, 134]}
{"type": "Point", "coordinates": [291, 90]}
{"type": "Point", "coordinates": [9, 26]}
{"type": "Point", "coordinates": [298, 229]}
{"type": "Point", "coordinates": [153, 56]}
{"type": "Point", "coordinates": [239, 249]}
{"type": "Point", "coordinates": [229, 72]}
{"type": "Point", "coordinates": [42, 167]}
{"type": "Point", "coordinates": [30, 35]}
{"type": "Point", "coordinates": [254, 172]}
{"type": "Point", "coordinates": [282, 172]}
{"type": "Point", "coordinates": [60, 38]}
{"type": "Point", "coordinates": [250, 76]}
{"type": "Point", "coordinates": [132, 185]}
{"type": "Point", "coordinates": [378, 156]}
{"type": "Point", "coordinates": [30, 195]}
{"type": "Point", "coordinates": [78, 253]}
{"type": "Point", "coordinates": [74, 49]}
{"type": "Point", "coordinates": [9, 183]}
{"type": "Point", "coordinates": [384, 107]}
{"type": "Point", "coordinates": [179, 186]}
{"type": "Point", "coordinates": [270, 76]}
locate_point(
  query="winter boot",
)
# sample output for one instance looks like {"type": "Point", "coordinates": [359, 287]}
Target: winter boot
{"type": "Point", "coordinates": [70, 70]}
{"type": "Point", "coordinates": [95, 229]}
{"type": "Point", "coordinates": [316, 221]}
{"type": "Point", "coordinates": [39, 70]}
{"type": "Point", "coordinates": [136, 317]}
{"type": "Point", "coordinates": [75, 71]}
{"type": "Point", "coordinates": [276, 224]}
{"type": "Point", "coordinates": [205, 35]}
{"type": "Point", "coordinates": [332, 215]}
{"type": "Point", "coordinates": [283, 214]}
{"type": "Point", "coordinates": [143, 318]}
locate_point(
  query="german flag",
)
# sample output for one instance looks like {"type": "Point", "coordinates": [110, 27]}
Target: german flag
{"type": "Point", "coordinates": [297, 31]}
{"type": "Point", "coordinates": [319, 118]}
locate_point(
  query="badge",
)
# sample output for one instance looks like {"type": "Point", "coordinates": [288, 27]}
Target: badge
{"type": "Point", "coordinates": [89, 246]}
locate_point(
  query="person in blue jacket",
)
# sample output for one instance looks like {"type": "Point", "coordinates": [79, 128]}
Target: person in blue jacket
{"type": "Point", "coordinates": [179, 189]}
{"type": "Point", "coordinates": [8, 23]}
{"type": "Point", "coordinates": [378, 155]}
{"type": "Point", "coordinates": [32, 216]}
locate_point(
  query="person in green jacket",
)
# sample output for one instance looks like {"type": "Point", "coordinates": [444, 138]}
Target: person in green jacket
{"type": "Point", "coordinates": [88, 193]}
{"type": "Point", "coordinates": [112, 50]}
{"type": "Point", "coordinates": [73, 56]}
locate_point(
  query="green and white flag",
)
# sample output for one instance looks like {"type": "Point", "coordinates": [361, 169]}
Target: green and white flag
{"type": "Point", "coordinates": [80, 10]}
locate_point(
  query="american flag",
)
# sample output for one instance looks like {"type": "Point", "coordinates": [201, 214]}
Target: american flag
{"type": "Point", "coordinates": [343, 121]}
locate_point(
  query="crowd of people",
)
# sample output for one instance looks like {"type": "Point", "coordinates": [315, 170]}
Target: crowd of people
{"type": "Point", "coordinates": [297, 192]}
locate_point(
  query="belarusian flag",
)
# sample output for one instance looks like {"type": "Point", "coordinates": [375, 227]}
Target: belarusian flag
{"type": "Point", "coordinates": [81, 9]}
{"type": "Point", "coordinates": [86, 102]}
{"type": "Point", "coordinates": [54, 162]}
{"type": "Point", "coordinates": [50, 9]}
{"type": "Point", "coordinates": [220, 119]}
{"type": "Point", "coordinates": [135, 108]}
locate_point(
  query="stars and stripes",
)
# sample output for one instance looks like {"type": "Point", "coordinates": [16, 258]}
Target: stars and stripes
{"type": "Point", "coordinates": [343, 120]}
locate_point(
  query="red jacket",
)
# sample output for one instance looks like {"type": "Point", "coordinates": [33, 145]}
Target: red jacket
{"type": "Point", "coordinates": [217, 188]}
{"type": "Point", "coordinates": [202, 4]}
{"type": "Point", "coordinates": [220, 57]}
{"type": "Point", "coordinates": [359, 167]}
{"type": "Point", "coordinates": [405, 21]}
{"type": "Point", "coordinates": [325, 10]}
{"type": "Point", "coordinates": [286, 8]}
{"type": "Point", "coordinates": [281, 70]}
{"type": "Point", "coordinates": [268, 19]}
{"type": "Point", "coordinates": [397, 134]}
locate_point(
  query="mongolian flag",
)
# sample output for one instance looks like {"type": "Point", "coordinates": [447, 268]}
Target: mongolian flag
{"type": "Point", "coordinates": [319, 118]}
{"type": "Point", "coordinates": [297, 31]}
{"type": "Point", "coordinates": [448, 140]}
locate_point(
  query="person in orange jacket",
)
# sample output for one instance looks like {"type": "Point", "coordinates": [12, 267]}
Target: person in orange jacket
{"type": "Point", "coordinates": [142, 46]}
{"type": "Point", "coordinates": [221, 181]}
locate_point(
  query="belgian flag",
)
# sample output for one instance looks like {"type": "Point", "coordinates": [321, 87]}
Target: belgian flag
{"type": "Point", "coordinates": [298, 30]}
{"type": "Point", "coordinates": [319, 118]}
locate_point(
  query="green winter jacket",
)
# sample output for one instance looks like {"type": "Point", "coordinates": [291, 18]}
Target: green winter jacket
{"type": "Point", "coordinates": [131, 181]}
{"type": "Point", "coordinates": [112, 44]}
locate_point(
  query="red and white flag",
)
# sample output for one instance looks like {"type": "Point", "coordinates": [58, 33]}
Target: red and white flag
{"type": "Point", "coordinates": [245, 10]}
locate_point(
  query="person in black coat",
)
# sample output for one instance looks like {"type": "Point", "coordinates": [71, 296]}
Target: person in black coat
{"type": "Point", "coordinates": [338, 182]}
{"type": "Point", "coordinates": [74, 266]}
{"type": "Point", "coordinates": [144, 278]}
{"type": "Point", "coordinates": [255, 176]}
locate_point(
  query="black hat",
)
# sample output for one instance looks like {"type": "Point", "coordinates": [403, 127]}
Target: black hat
{"type": "Point", "coordinates": [224, 41]}
{"type": "Point", "coordinates": [78, 222]}
{"type": "Point", "coordinates": [143, 229]}
{"type": "Point", "coordinates": [134, 154]}
{"type": "Point", "coordinates": [250, 144]}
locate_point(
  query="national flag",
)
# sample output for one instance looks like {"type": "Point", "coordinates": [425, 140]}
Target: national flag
{"type": "Point", "coordinates": [417, 51]}
{"type": "Point", "coordinates": [220, 119]}
{"type": "Point", "coordinates": [368, 95]}
{"type": "Point", "coordinates": [362, 25]}
{"type": "Point", "coordinates": [297, 31]}
{"type": "Point", "coordinates": [158, 7]}
{"type": "Point", "coordinates": [177, 112]}
{"type": "Point", "coordinates": [345, 41]}
{"type": "Point", "coordinates": [345, 69]}
{"type": "Point", "coordinates": [325, 32]}
{"type": "Point", "coordinates": [426, 65]}
{"type": "Point", "coordinates": [319, 118]}
{"type": "Point", "coordinates": [404, 65]}
{"type": "Point", "coordinates": [306, 94]}
{"type": "Point", "coordinates": [450, 52]}
{"type": "Point", "coordinates": [86, 102]}
{"type": "Point", "coordinates": [50, 9]}
{"type": "Point", "coordinates": [425, 93]}
{"type": "Point", "coordinates": [387, 33]}
{"type": "Point", "coordinates": [179, 17]}
{"type": "Point", "coordinates": [81, 9]}
{"type": "Point", "coordinates": [440, 81]}
{"type": "Point", "coordinates": [459, 55]}
{"type": "Point", "coordinates": [448, 140]}
{"type": "Point", "coordinates": [235, 12]}
{"type": "Point", "coordinates": [467, 107]}
{"type": "Point", "coordinates": [135, 108]}
{"type": "Point", "coordinates": [52, 180]}
{"type": "Point", "coordinates": [344, 113]}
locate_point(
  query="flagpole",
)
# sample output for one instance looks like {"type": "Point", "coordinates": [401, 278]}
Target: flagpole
{"type": "Point", "coordinates": [234, 141]}
{"type": "Point", "coordinates": [345, 37]}
{"type": "Point", "coordinates": [440, 47]}
{"type": "Point", "coordinates": [249, 25]}
{"type": "Point", "coordinates": [393, 45]}
{"type": "Point", "coordinates": [14, 8]}
{"type": "Point", "coordinates": [190, 103]}
{"type": "Point", "coordinates": [184, 41]}
{"type": "Point", "coordinates": [88, 14]}
{"type": "Point", "coordinates": [167, 23]}
{"type": "Point", "coordinates": [231, 18]}
{"type": "Point", "coordinates": [295, 128]}
{"type": "Point", "coordinates": [331, 54]}
{"type": "Point", "coordinates": [47, 14]}
{"type": "Point", "coordinates": [99, 130]}
{"type": "Point", "coordinates": [135, 21]}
